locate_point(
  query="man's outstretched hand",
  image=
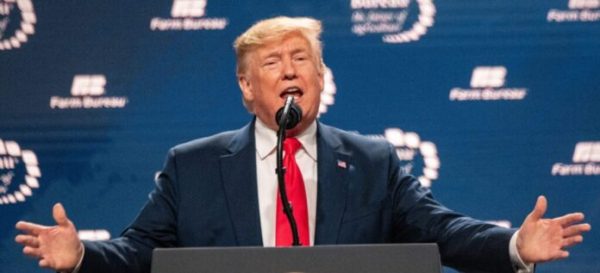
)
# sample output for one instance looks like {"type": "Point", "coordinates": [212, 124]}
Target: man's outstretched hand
{"type": "Point", "coordinates": [542, 240]}
{"type": "Point", "coordinates": [57, 247]}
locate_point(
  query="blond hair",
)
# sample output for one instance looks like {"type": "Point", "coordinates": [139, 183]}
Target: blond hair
{"type": "Point", "coordinates": [272, 29]}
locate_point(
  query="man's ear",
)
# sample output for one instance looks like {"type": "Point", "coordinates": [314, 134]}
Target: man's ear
{"type": "Point", "coordinates": [322, 78]}
{"type": "Point", "coordinates": [246, 87]}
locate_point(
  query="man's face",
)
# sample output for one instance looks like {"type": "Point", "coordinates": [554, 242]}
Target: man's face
{"type": "Point", "coordinates": [279, 69]}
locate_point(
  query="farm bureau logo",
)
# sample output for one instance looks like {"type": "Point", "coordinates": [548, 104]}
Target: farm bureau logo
{"type": "Point", "coordinates": [15, 26]}
{"type": "Point", "coordinates": [579, 11]}
{"type": "Point", "coordinates": [87, 93]}
{"type": "Point", "coordinates": [417, 157]}
{"type": "Point", "coordinates": [486, 85]}
{"type": "Point", "coordinates": [188, 15]}
{"type": "Point", "coordinates": [398, 21]}
{"type": "Point", "coordinates": [586, 161]}
{"type": "Point", "coordinates": [19, 173]}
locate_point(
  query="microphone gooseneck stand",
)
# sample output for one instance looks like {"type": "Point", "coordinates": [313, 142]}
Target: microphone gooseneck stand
{"type": "Point", "coordinates": [287, 117]}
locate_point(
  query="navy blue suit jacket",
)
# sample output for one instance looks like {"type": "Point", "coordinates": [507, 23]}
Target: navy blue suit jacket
{"type": "Point", "coordinates": [207, 196]}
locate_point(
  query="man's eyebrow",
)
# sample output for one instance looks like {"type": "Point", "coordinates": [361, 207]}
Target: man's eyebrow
{"type": "Point", "coordinates": [277, 53]}
{"type": "Point", "coordinates": [272, 54]}
{"type": "Point", "coordinates": [300, 50]}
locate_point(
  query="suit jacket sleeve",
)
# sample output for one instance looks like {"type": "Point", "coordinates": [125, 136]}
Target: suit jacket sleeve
{"type": "Point", "coordinates": [465, 243]}
{"type": "Point", "coordinates": [155, 226]}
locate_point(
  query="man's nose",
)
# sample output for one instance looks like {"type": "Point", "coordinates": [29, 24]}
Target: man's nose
{"type": "Point", "coordinates": [289, 70]}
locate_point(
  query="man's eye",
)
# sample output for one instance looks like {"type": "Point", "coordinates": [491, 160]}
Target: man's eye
{"type": "Point", "coordinates": [270, 63]}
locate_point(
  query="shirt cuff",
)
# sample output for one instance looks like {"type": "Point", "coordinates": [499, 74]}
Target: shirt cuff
{"type": "Point", "coordinates": [515, 258]}
{"type": "Point", "coordinates": [78, 266]}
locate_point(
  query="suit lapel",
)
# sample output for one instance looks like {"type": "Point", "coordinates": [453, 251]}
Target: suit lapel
{"type": "Point", "coordinates": [333, 165]}
{"type": "Point", "coordinates": [238, 171]}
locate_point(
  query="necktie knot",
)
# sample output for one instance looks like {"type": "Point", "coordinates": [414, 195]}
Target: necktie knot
{"type": "Point", "coordinates": [291, 145]}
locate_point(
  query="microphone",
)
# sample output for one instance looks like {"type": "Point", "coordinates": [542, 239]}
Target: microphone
{"type": "Point", "coordinates": [290, 114]}
{"type": "Point", "coordinates": [287, 117]}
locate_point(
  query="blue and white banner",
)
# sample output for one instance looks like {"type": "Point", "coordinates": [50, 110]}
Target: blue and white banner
{"type": "Point", "coordinates": [489, 103]}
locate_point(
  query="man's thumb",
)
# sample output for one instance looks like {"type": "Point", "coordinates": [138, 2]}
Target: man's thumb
{"type": "Point", "coordinates": [59, 215]}
{"type": "Point", "coordinates": [540, 208]}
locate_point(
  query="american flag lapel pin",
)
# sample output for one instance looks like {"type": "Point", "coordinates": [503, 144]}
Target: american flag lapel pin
{"type": "Point", "coordinates": [342, 164]}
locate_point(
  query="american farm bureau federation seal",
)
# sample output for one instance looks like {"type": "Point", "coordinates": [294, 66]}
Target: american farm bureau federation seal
{"type": "Point", "coordinates": [17, 20]}
{"type": "Point", "coordinates": [19, 173]}
{"type": "Point", "coordinates": [397, 21]}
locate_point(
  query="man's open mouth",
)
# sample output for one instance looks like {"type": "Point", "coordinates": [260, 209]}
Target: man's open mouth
{"type": "Point", "coordinates": [292, 91]}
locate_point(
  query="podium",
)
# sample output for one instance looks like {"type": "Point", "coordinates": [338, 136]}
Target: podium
{"type": "Point", "coordinates": [384, 258]}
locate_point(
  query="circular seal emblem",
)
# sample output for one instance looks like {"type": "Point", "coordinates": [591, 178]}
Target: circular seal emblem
{"type": "Point", "coordinates": [398, 21]}
{"type": "Point", "coordinates": [419, 158]}
{"type": "Point", "coordinates": [19, 173]}
{"type": "Point", "coordinates": [17, 20]}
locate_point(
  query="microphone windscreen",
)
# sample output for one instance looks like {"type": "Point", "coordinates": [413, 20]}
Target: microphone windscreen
{"type": "Point", "coordinates": [294, 116]}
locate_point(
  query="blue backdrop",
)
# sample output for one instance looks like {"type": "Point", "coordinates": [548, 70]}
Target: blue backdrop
{"type": "Point", "coordinates": [491, 103]}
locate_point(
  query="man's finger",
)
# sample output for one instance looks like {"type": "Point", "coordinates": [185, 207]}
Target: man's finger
{"type": "Point", "coordinates": [44, 263]}
{"type": "Point", "coordinates": [30, 228]}
{"type": "Point", "coordinates": [32, 251]}
{"type": "Point", "coordinates": [562, 254]}
{"type": "Point", "coordinates": [59, 215]}
{"type": "Point", "coordinates": [27, 240]}
{"type": "Point", "coordinates": [569, 219]}
{"type": "Point", "coordinates": [576, 230]}
{"type": "Point", "coordinates": [571, 241]}
{"type": "Point", "coordinates": [49, 263]}
{"type": "Point", "coordinates": [540, 208]}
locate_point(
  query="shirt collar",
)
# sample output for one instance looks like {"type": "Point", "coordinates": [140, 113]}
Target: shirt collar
{"type": "Point", "coordinates": [266, 140]}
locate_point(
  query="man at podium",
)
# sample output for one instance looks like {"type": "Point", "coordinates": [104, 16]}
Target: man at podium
{"type": "Point", "coordinates": [344, 188]}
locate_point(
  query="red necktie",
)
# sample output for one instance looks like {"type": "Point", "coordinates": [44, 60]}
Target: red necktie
{"type": "Point", "coordinates": [294, 187]}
